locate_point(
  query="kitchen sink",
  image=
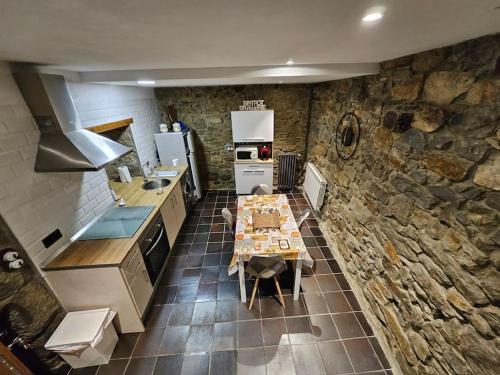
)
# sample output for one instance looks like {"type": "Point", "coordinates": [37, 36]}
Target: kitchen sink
{"type": "Point", "coordinates": [153, 184]}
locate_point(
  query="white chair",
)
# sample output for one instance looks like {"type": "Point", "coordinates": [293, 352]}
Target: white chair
{"type": "Point", "coordinates": [261, 189]}
{"type": "Point", "coordinates": [226, 214]}
{"type": "Point", "coordinates": [303, 216]}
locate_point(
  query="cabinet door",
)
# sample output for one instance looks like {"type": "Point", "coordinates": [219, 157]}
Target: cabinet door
{"type": "Point", "coordinates": [170, 219]}
{"type": "Point", "coordinates": [249, 175]}
{"type": "Point", "coordinates": [141, 288]}
{"type": "Point", "coordinates": [179, 207]}
{"type": "Point", "coordinates": [252, 126]}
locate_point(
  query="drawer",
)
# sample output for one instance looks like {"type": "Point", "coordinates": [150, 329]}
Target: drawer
{"type": "Point", "coordinates": [131, 263]}
{"type": "Point", "coordinates": [249, 175]}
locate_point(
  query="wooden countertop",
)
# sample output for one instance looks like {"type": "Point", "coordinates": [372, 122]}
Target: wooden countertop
{"type": "Point", "coordinates": [112, 252]}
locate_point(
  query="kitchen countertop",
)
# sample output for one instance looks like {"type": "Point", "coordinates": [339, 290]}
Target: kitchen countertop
{"type": "Point", "coordinates": [112, 252]}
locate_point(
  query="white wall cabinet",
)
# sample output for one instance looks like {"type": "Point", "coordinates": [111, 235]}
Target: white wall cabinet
{"type": "Point", "coordinates": [252, 126]}
{"type": "Point", "coordinates": [249, 175]}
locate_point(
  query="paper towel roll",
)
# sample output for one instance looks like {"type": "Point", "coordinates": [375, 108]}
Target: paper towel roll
{"type": "Point", "coordinates": [124, 174]}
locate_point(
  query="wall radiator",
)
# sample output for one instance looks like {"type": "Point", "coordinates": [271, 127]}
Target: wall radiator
{"type": "Point", "coordinates": [314, 186]}
{"type": "Point", "coordinates": [287, 165]}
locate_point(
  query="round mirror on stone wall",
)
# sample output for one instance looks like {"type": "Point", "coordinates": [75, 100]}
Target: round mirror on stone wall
{"type": "Point", "coordinates": [347, 135]}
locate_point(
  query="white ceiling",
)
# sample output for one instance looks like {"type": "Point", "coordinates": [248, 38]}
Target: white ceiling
{"type": "Point", "coordinates": [166, 35]}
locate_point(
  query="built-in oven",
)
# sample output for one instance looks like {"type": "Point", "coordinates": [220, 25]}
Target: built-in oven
{"type": "Point", "coordinates": [154, 248]}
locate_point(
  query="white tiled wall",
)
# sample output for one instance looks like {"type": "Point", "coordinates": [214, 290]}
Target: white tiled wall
{"type": "Point", "coordinates": [98, 103]}
{"type": "Point", "coordinates": [34, 204]}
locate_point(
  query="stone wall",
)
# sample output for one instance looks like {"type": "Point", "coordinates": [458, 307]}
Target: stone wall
{"type": "Point", "coordinates": [28, 309]}
{"type": "Point", "coordinates": [131, 160]}
{"type": "Point", "coordinates": [414, 214]}
{"type": "Point", "coordinates": [208, 111]}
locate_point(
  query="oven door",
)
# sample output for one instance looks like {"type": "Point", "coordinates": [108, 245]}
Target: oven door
{"type": "Point", "coordinates": [156, 254]}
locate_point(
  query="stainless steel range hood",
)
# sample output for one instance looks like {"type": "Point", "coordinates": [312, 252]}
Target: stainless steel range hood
{"type": "Point", "coordinates": [64, 146]}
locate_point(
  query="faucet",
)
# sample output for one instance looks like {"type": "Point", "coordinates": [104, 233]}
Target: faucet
{"type": "Point", "coordinates": [147, 166]}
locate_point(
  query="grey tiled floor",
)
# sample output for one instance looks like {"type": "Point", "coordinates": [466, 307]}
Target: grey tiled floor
{"type": "Point", "coordinates": [197, 325]}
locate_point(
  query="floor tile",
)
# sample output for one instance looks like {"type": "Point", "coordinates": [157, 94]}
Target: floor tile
{"type": "Point", "coordinates": [251, 362]}
{"type": "Point", "coordinates": [171, 277]}
{"type": "Point", "coordinates": [279, 360]}
{"type": "Point", "coordinates": [335, 357]}
{"type": "Point", "coordinates": [244, 313]}
{"type": "Point", "coordinates": [351, 298]}
{"type": "Point", "coordinates": [249, 334]}
{"type": "Point", "coordinates": [226, 311]}
{"type": "Point", "coordinates": [211, 260]}
{"type": "Point", "coordinates": [322, 267]}
{"type": "Point", "coordinates": [200, 238]}
{"type": "Point", "coordinates": [210, 275]}
{"type": "Point", "coordinates": [309, 285]}
{"type": "Point", "coordinates": [315, 304]}
{"type": "Point", "coordinates": [224, 363]}
{"type": "Point", "coordinates": [198, 248]}
{"type": "Point", "coordinates": [158, 316]}
{"type": "Point", "coordinates": [214, 247]}
{"type": "Point", "coordinates": [190, 276]}
{"type": "Point", "coordinates": [294, 307]}
{"type": "Point", "coordinates": [327, 283]}
{"type": "Point", "coordinates": [271, 308]}
{"type": "Point", "coordinates": [203, 313]}
{"type": "Point", "coordinates": [323, 328]}
{"type": "Point", "coordinates": [274, 332]}
{"type": "Point", "coordinates": [200, 339]}
{"type": "Point", "coordinates": [227, 290]}
{"type": "Point", "coordinates": [164, 295]}
{"type": "Point", "coordinates": [174, 340]}
{"type": "Point", "coordinates": [193, 261]}
{"type": "Point", "coordinates": [299, 330]}
{"type": "Point", "coordinates": [225, 336]}
{"type": "Point", "coordinates": [181, 314]}
{"type": "Point", "coordinates": [362, 356]}
{"type": "Point", "coordinates": [344, 285]}
{"type": "Point", "coordinates": [348, 325]}
{"type": "Point", "coordinates": [307, 360]}
{"type": "Point", "coordinates": [125, 345]}
{"type": "Point", "coordinates": [364, 323]}
{"type": "Point", "coordinates": [206, 292]}
{"type": "Point", "coordinates": [148, 343]}
{"type": "Point", "coordinates": [114, 367]}
{"type": "Point", "coordinates": [168, 364]}
{"type": "Point", "coordinates": [380, 353]}
{"type": "Point", "coordinates": [336, 302]}
{"type": "Point", "coordinates": [141, 366]}
{"type": "Point", "coordinates": [195, 364]}
{"type": "Point", "coordinates": [186, 293]}
{"type": "Point", "coordinates": [84, 371]}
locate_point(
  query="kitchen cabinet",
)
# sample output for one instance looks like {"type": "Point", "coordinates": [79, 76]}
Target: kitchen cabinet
{"type": "Point", "coordinates": [248, 175]}
{"type": "Point", "coordinates": [252, 126]}
{"type": "Point", "coordinates": [173, 212]}
{"type": "Point", "coordinates": [138, 280]}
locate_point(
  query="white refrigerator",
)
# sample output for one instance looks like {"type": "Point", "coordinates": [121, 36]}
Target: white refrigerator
{"type": "Point", "coordinates": [179, 145]}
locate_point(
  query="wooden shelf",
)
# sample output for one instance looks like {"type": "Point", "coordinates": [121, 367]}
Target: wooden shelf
{"type": "Point", "coordinates": [111, 125]}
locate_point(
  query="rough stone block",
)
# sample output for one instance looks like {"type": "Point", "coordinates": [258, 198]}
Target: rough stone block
{"type": "Point", "coordinates": [442, 87]}
{"type": "Point", "coordinates": [452, 168]}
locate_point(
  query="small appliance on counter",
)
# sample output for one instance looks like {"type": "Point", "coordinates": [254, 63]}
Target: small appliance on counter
{"type": "Point", "coordinates": [264, 152]}
{"type": "Point", "coordinates": [246, 153]}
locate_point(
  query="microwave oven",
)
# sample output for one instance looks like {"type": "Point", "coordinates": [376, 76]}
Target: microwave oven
{"type": "Point", "coordinates": [247, 153]}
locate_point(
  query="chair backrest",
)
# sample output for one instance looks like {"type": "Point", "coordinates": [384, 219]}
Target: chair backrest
{"type": "Point", "coordinates": [226, 214]}
{"type": "Point", "coordinates": [303, 216]}
{"type": "Point", "coordinates": [266, 266]}
{"type": "Point", "coordinates": [261, 189]}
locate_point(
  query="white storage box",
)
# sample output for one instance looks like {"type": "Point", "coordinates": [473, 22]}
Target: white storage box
{"type": "Point", "coordinates": [85, 338]}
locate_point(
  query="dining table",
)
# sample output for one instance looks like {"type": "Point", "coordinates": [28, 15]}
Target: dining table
{"type": "Point", "coordinates": [284, 240]}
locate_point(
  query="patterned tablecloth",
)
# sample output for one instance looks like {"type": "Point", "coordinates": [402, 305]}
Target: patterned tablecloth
{"type": "Point", "coordinates": [267, 241]}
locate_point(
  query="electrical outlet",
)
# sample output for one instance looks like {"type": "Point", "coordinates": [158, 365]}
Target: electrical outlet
{"type": "Point", "coordinates": [229, 147]}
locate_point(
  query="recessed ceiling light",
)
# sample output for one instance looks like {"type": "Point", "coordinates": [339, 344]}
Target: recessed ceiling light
{"type": "Point", "coordinates": [280, 81]}
{"type": "Point", "coordinates": [370, 17]}
{"type": "Point", "coordinates": [290, 62]}
{"type": "Point", "coordinates": [146, 82]}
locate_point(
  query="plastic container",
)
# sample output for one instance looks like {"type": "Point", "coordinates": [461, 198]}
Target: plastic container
{"type": "Point", "coordinates": [85, 338]}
